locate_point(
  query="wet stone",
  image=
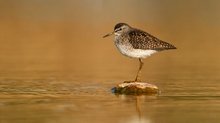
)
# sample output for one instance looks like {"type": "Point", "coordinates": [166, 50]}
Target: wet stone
{"type": "Point", "coordinates": [136, 88]}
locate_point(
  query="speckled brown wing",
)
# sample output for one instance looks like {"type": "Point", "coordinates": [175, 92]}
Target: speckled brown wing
{"type": "Point", "coordinates": [142, 40]}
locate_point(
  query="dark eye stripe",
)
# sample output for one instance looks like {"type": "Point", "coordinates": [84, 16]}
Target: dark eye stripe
{"type": "Point", "coordinates": [119, 29]}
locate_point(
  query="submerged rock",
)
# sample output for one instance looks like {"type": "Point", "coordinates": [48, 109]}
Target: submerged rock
{"type": "Point", "coordinates": [136, 88]}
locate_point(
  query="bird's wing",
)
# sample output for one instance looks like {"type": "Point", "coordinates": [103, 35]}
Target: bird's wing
{"type": "Point", "coordinates": [142, 40]}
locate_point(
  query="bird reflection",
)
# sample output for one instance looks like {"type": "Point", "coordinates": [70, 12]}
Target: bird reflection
{"type": "Point", "coordinates": [137, 99]}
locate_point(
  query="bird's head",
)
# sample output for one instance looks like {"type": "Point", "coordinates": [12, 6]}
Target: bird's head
{"type": "Point", "coordinates": [119, 29]}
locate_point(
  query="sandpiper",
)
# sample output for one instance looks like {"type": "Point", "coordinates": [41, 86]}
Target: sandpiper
{"type": "Point", "coordinates": [138, 44]}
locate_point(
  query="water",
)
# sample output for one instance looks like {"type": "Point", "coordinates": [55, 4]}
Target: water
{"type": "Point", "coordinates": [49, 95]}
{"type": "Point", "coordinates": [58, 68]}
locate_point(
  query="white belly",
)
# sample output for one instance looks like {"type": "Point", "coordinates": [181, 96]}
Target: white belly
{"type": "Point", "coordinates": [135, 53]}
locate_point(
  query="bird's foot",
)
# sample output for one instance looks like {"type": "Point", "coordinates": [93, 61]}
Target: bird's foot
{"type": "Point", "coordinates": [131, 81]}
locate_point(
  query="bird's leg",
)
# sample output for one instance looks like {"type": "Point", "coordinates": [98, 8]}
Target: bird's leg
{"type": "Point", "coordinates": [138, 77]}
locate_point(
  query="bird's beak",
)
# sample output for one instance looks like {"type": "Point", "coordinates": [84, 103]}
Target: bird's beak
{"type": "Point", "coordinates": [108, 34]}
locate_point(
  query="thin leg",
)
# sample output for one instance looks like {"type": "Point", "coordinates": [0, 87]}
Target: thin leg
{"type": "Point", "coordinates": [138, 77]}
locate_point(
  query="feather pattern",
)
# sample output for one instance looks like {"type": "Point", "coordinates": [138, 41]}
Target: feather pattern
{"type": "Point", "coordinates": [143, 40]}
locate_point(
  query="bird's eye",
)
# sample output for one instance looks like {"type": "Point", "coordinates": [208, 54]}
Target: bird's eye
{"type": "Point", "coordinates": [119, 29]}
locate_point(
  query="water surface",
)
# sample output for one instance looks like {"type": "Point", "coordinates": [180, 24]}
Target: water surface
{"type": "Point", "coordinates": [56, 67]}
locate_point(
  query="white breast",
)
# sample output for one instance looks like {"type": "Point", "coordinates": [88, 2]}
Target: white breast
{"type": "Point", "coordinates": [134, 53]}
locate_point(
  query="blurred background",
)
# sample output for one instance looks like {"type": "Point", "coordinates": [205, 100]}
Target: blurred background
{"type": "Point", "coordinates": [55, 64]}
{"type": "Point", "coordinates": [67, 35]}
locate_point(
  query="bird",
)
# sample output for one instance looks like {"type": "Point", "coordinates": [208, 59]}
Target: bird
{"type": "Point", "coordinates": [138, 44]}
